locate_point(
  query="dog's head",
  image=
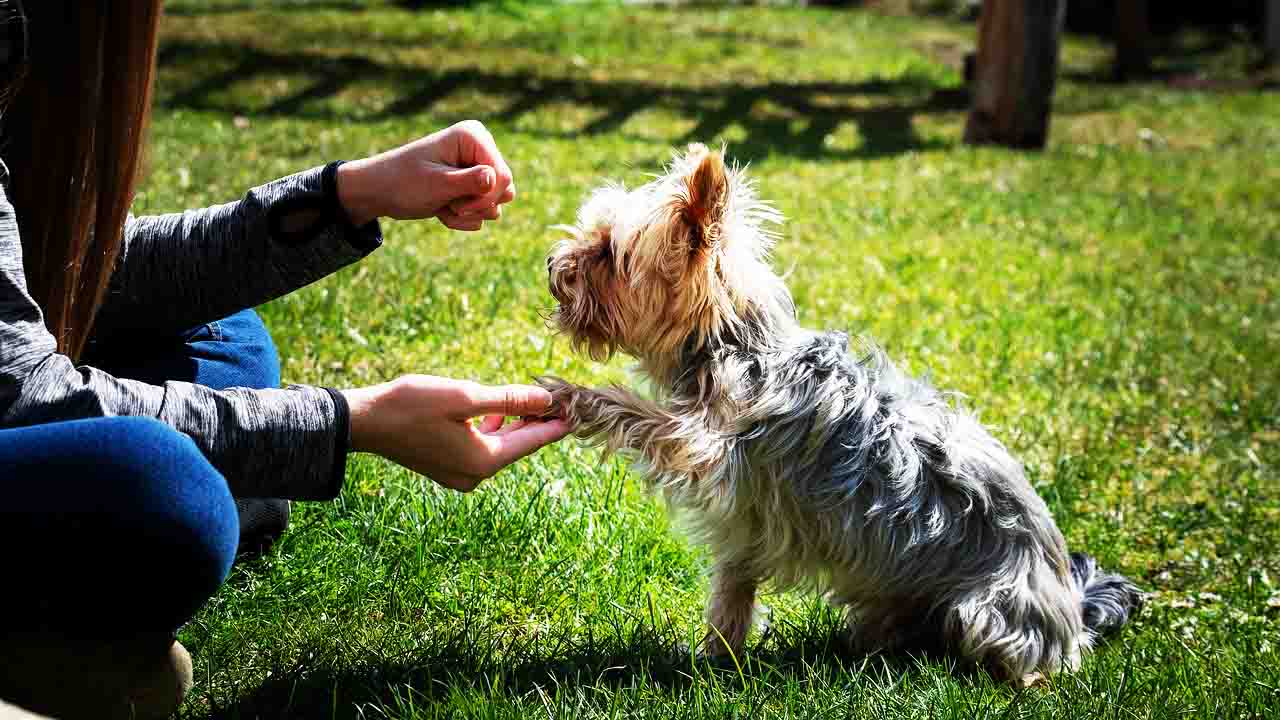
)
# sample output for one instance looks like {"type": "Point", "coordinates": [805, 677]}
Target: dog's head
{"type": "Point", "coordinates": [668, 266]}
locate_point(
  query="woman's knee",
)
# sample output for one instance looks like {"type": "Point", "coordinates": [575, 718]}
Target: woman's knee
{"type": "Point", "coordinates": [182, 498]}
{"type": "Point", "coordinates": [249, 354]}
{"type": "Point", "coordinates": [136, 508]}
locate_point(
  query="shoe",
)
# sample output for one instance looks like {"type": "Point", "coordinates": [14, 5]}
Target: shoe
{"type": "Point", "coordinates": [262, 522]}
{"type": "Point", "coordinates": [144, 677]}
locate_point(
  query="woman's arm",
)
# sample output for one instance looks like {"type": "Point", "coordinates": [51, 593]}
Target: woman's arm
{"type": "Point", "coordinates": [268, 443]}
{"type": "Point", "coordinates": [289, 443]}
{"type": "Point", "coordinates": [184, 269]}
{"type": "Point", "coordinates": [181, 270]}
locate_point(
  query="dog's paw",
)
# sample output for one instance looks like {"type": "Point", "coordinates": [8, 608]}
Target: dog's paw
{"type": "Point", "coordinates": [712, 652]}
{"type": "Point", "coordinates": [682, 652]}
{"type": "Point", "coordinates": [1032, 679]}
{"type": "Point", "coordinates": [764, 621]}
{"type": "Point", "coordinates": [715, 647]}
{"type": "Point", "coordinates": [562, 392]}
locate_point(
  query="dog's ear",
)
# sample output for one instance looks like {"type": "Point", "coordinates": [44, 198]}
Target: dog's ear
{"type": "Point", "coordinates": [705, 197]}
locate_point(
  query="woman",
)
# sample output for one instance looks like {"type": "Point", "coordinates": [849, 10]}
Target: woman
{"type": "Point", "coordinates": [139, 394]}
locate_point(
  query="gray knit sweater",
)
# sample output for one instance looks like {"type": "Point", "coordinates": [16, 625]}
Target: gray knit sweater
{"type": "Point", "coordinates": [178, 271]}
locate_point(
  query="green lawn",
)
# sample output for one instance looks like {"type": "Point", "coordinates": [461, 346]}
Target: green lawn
{"type": "Point", "coordinates": [1110, 306]}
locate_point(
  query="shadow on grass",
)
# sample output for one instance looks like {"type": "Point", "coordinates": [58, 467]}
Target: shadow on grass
{"type": "Point", "coordinates": [319, 688]}
{"type": "Point", "coordinates": [1185, 62]}
{"type": "Point", "coordinates": [795, 119]}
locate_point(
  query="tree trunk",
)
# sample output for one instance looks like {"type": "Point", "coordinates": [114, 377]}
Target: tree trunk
{"type": "Point", "coordinates": [1133, 39]}
{"type": "Point", "coordinates": [1271, 34]}
{"type": "Point", "coordinates": [1015, 72]}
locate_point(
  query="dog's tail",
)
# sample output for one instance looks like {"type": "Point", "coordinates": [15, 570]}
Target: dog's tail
{"type": "Point", "coordinates": [1110, 600]}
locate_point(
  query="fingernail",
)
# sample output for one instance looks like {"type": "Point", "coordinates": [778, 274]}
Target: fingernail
{"type": "Point", "coordinates": [487, 178]}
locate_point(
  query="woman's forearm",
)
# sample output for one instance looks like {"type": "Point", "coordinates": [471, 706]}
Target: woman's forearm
{"type": "Point", "coordinates": [184, 269]}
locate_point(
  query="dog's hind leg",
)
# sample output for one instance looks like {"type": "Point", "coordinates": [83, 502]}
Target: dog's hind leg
{"type": "Point", "coordinates": [1018, 636]}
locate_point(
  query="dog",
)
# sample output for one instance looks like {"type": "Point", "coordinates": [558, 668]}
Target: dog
{"type": "Point", "coordinates": [798, 462]}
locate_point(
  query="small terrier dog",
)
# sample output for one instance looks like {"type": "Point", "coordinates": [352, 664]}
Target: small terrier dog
{"type": "Point", "coordinates": [799, 463]}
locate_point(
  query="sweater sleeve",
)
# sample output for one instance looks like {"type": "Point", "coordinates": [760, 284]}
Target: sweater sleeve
{"type": "Point", "coordinates": [180, 270]}
{"type": "Point", "coordinates": [287, 443]}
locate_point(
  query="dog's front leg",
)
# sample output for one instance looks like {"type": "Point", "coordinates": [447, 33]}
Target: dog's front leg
{"type": "Point", "coordinates": [730, 609]}
{"type": "Point", "coordinates": [687, 457]}
{"type": "Point", "coordinates": [674, 446]}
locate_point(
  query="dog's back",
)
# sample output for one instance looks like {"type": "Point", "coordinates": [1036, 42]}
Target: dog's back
{"type": "Point", "coordinates": [866, 483]}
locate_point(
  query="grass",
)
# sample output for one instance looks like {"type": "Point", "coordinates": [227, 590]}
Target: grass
{"type": "Point", "coordinates": [1110, 306]}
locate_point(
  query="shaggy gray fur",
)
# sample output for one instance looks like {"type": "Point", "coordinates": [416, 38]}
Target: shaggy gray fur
{"type": "Point", "coordinates": [848, 477]}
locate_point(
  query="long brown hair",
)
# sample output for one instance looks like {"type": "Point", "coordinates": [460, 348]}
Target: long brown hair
{"type": "Point", "coordinates": [73, 138]}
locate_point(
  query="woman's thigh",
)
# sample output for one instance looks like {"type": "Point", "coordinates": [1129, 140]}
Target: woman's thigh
{"type": "Point", "coordinates": [110, 525]}
{"type": "Point", "coordinates": [236, 351]}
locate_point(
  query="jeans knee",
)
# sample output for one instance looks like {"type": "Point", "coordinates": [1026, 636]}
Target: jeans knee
{"type": "Point", "coordinates": [184, 501]}
{"type": "Point", "coordinates": [256, 360]}
{"type": "Point", "coordinates": [124, 503]}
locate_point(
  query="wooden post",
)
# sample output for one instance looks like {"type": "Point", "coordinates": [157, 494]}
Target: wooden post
{"type": "Point", "coordinates": [1271, 34]}
{"type": "Point", "coordinates": [1015, 72]}
{"type": "Point", "coordinates": [1133, 39]}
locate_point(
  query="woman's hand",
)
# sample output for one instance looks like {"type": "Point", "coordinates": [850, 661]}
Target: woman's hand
{"type": "Point", "coordinates": [457, 175]}
{"type": "Point", "coordinates": [425, 424]}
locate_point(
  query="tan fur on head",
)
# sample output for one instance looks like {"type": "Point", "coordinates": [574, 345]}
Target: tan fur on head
{"type": "Point", "coordinates": [664, 268]}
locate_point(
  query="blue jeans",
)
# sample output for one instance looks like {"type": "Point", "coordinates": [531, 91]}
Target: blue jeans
{"type": "Point", "coordinates": [114, 525]}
